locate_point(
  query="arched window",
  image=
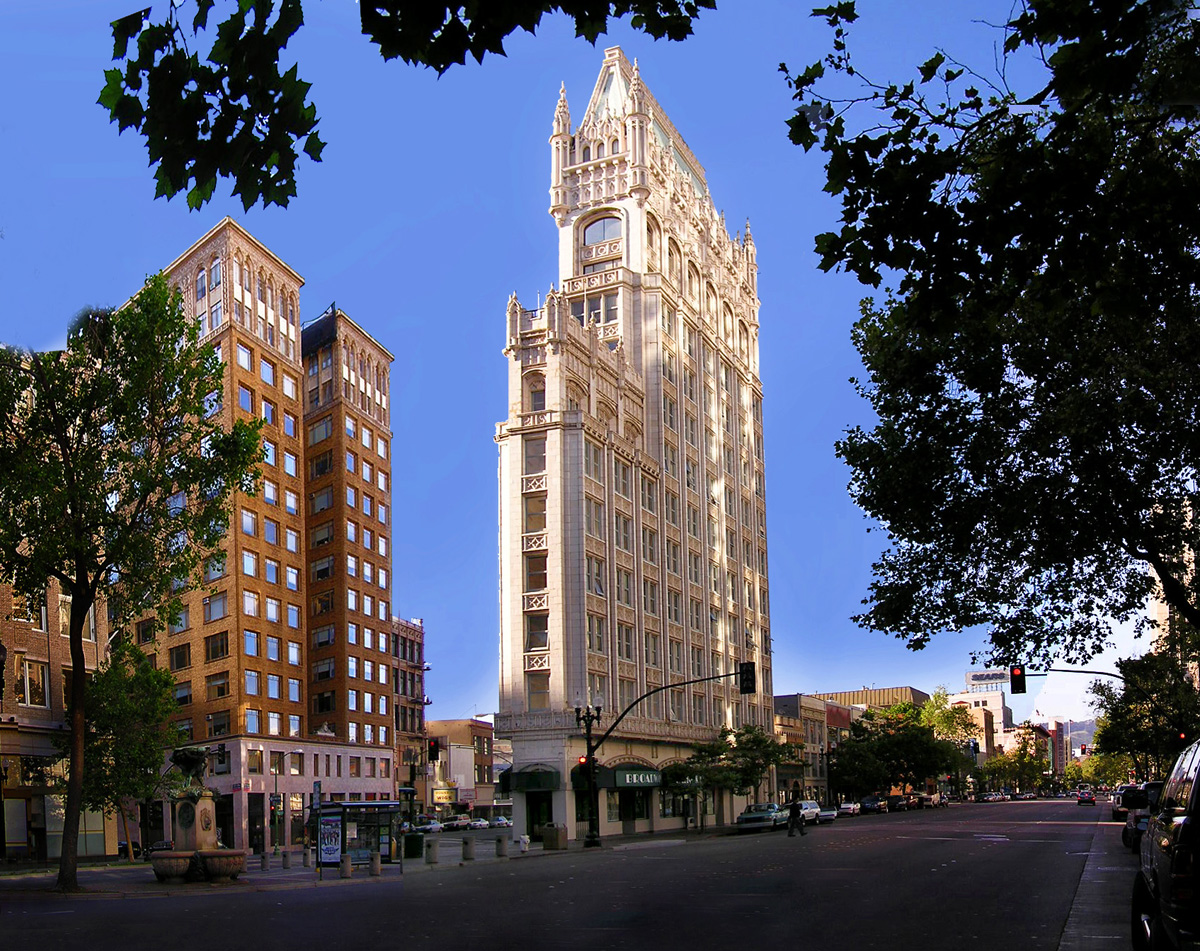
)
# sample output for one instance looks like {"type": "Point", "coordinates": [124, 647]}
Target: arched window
{"type": "Point", "coordinates": [651, 245]}
{"type": "Point", "coordinates": [201, 284]}
{"type": "Point", "coordinates": [743, 340]}
{"type": "Point", "coordinates": [587, 153]}
{"type": "Point", "coordinates": [601, 230]}
{"type": "Point", "coordinates": [615, 147]}
{"type": "Point", "coordinates": [674, 264]}
{"type": "Point", "coordinates": [693, 282]}
{"type": "Point", "coordinates": [710, 303]}
{"type": "Point", "coordinates": [599, 150]}
{"type": "Point", "coordinates": [728, 324]}
{"type": "Point", "coordinates": [535, 393]}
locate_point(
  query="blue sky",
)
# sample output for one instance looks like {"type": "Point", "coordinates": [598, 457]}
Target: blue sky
{"type": "Point", "coordinates": [430, 209]}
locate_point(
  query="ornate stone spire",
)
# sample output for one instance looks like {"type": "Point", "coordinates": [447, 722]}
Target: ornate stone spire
{"type": "Point", "coordinates": [562, 113]}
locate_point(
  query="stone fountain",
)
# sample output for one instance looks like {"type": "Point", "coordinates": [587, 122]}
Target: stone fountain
{"type": "Point", "coordinates": [196, 856]}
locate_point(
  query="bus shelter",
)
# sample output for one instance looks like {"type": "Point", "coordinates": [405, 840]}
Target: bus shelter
{"type": "Point", "coordinates": [359, 828]}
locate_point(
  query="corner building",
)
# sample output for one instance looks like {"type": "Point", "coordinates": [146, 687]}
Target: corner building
{"type": "Point", "coordinates": [253, 654]}
{"type": "Point", "coordinates": [633, 548]}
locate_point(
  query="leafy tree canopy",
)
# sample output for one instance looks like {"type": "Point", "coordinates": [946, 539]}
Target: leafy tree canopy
{"type": "Point", "coordinates": [1152, 717]}
{"type": "Point", "coordinates": [238, 114]}
{"type": "Point", "coordinates": [887, 748]}
{"type": "Point", "coordinates": [115, 478]}
{"type": "Point", "coordinates": [1035, 371]}
{"type": "Point", "coordinates": [948, 722]}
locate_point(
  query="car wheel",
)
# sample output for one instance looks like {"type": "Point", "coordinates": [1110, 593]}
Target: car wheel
{"type": "Point", "coordinates": [1125, 837]}
{"type": "Point", "coordinates": [1145, 925]}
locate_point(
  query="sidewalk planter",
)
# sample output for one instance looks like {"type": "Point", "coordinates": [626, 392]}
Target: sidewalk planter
{"type": "Point", "coordinates": [468, 848]}
{"type": "Point", "coordinates": [222, 865]}
{"type": "Point", "coordinates": [170, 866]}
{"type": "Point", "coordinates": [501, 846]}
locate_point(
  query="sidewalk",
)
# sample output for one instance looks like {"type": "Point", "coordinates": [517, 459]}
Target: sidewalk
{"type": "Point", "coordinates": [123, 880]}
{"type": "Point", "coordinates": [1099, 918]}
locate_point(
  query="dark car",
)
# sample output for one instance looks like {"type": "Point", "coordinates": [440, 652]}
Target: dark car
{"type": "Point", "coordinates": [137, 850]}
{"type": "Point", "coordinates": [1085, 797]}
{"type": "Point", "coordinates": [872, 804]}
{"type": "Point", "coordinates": [1164, 912]}
{"type": "Point", "coordinates": [897, 803]}
{"type": "Point", "coordinates": [162, 845]}
{"type": "Point", "coordinates": [1140, 802]}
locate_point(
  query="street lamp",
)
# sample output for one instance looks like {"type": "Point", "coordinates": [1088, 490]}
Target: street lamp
{"type": "Point", "coordinates": [277, 802]}
{"type": "Point", "coordinates": [587, 717]}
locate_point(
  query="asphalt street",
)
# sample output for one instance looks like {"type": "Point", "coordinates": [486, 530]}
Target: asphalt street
{"type": "Point", "coordinates": [1031, 875]}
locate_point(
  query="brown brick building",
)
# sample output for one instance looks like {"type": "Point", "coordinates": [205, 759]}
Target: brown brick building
{"type": "Point", "coordinates": [247, 655]}
{"type": "Point", "coordinates": [286, 663]}
{"type": "Point", "coordinates": [33, 686]}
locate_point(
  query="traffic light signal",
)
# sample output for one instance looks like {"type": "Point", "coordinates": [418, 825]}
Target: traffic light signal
{"type": "Point", "coordinates": [1016, 678]}
{"type": "Point", "coordinates": [747, 682]}
{"type": "Point", "coordinates": [1083, 749]}
{"type": "Point", "coordinates": [435, 750]}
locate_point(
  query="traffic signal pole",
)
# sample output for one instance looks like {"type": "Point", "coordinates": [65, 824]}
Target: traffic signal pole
{"type": "Point", "coordinates": [589, 716]}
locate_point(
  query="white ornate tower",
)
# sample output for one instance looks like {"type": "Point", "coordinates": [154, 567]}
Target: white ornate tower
{"type": "Point", "coordinates": [633, 549]}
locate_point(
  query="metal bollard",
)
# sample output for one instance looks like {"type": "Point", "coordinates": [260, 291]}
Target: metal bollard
{"type": "Point", "coordinates": [376, 868]}
{"type": "Point", "coordinates": [501, 846]}
{"type": "Point", "coordinates": [308, 858]}
{"type": "Point", "coordinates": [266, 862]}
{"type": "Point", "coordinates": [287, 859]}
{"type": "Point", "coordinates": [431, 851]}
{"type": "Point", "coordinates": [468, 848]}
{"type": "Point", "coordinates": [345, 870]}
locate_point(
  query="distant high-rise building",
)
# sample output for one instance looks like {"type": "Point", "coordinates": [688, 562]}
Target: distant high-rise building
{"type": "Point", "coordinates": [633, 544]}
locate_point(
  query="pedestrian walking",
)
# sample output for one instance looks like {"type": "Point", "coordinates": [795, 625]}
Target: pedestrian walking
{"type": "Point", "coordinates": [795, 816]}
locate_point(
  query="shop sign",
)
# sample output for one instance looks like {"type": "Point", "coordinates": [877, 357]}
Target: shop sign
{"type": "Point", "coordinates": [444, 795]}
{"type": "Point", "coordinates": [638, 778]}
{"type": "Point", "coordinates": [987, 676]}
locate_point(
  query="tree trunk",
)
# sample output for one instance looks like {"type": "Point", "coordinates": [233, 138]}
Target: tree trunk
{"type": "Point", "coordinates": [128, 839]}
{"type": "Point", "coordinates": [68, 863]}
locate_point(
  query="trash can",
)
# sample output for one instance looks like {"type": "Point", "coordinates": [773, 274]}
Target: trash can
{"type": "Point", "coordinates": [414, 845]}
{"type": "Point", "coordinates": [554, 837]}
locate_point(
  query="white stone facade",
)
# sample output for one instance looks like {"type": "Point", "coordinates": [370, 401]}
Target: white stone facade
{"type": "Point", "coordinates": [633, 550]}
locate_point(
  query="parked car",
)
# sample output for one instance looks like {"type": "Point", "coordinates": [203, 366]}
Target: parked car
{"type": "Point", "coordinates": [827, 814]}
{"type": "Point", "coordinates": [1085, 797]}
{"type": "Point", "coordinates": [873, 804]}
{"type": "Point", "coordinates": [810, 812]}
{"type": "Point", "coordinates": [897, 803]}
{"type": "Point", "coordinates": [1119, 809]}
{"type": "Point", "coordinates": [159, 845]}
{"type": "Point", "coordinates": [761, 815]}
{"type": "Point", "coordinates": [1164, 911]}
{"type": "Point", "coordinates": [429, 826]}
{"type": "Point", "coordinates": [849, 809]}
{"type": "Point", "coordinates": [477, 824]}
{"type": "Point", "coordinates": [456, 823]}
{"type": "Point", "coordinates": [500, 822]}
{"type": "Point", "coordinates": [1140, 802]}
{"type": "Point", "coordinates": [137, 849]}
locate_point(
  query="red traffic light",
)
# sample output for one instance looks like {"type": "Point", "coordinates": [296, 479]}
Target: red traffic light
{"type": "Point", "coordinates": [583, 761]}
{"type": "Point", "coordinates": [1016, 678]}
